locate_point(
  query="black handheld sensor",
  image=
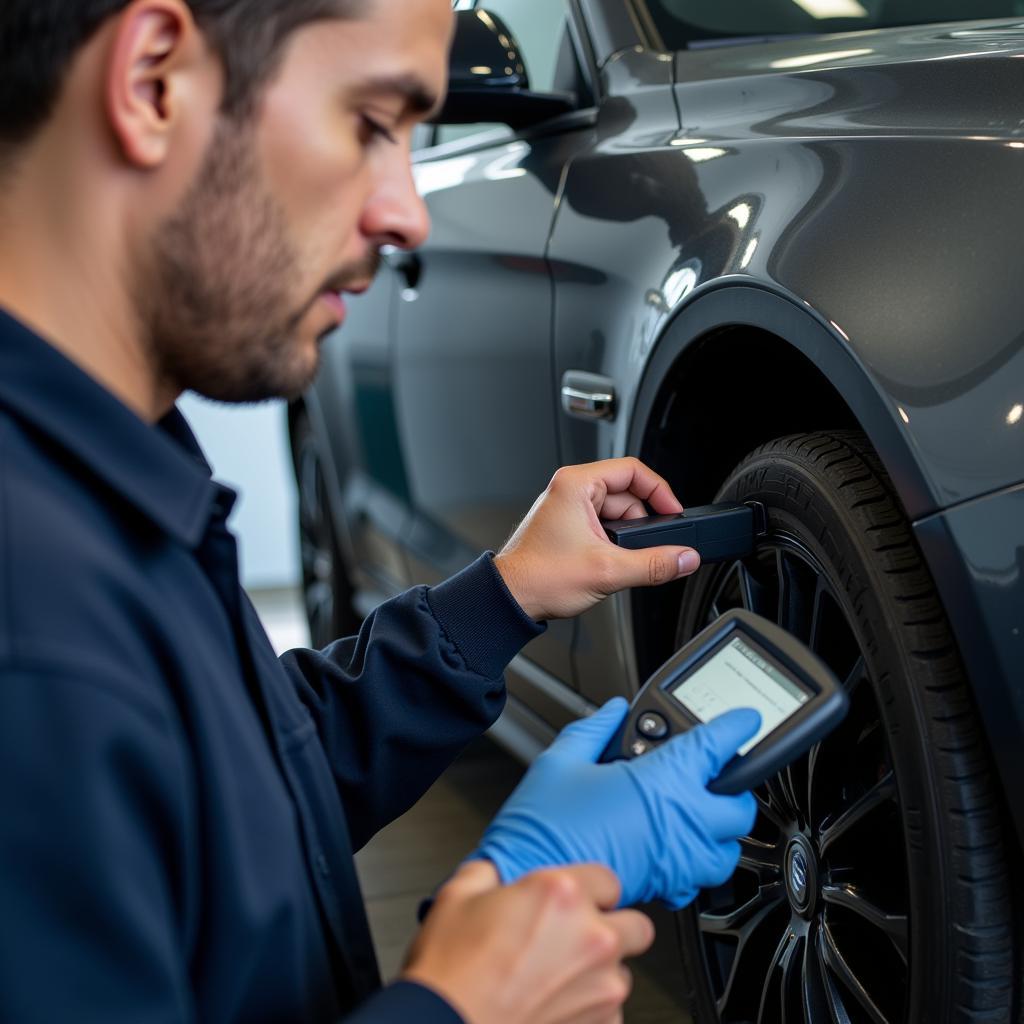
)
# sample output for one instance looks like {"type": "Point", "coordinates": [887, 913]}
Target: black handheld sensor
{"type": "Point", "coordinates": [740, 661]}
{"type": "Point", "coordinates": [717, 532]}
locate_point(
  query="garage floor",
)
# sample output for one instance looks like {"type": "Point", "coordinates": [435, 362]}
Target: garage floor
{"type": "Point", "coordinates": [409, 858]}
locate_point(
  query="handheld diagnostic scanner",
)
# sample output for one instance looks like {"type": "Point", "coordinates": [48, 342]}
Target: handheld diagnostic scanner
{"type": "Point", "coordinates": [740, 661]}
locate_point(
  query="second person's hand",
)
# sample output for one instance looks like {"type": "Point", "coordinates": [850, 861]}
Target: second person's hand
{"type": "Point", "coordinates": [560, 562]}
{"type": "Point", "coordinates": [547, 950]}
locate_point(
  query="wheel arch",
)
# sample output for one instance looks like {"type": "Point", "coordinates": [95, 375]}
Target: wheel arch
{"type": "Point", "coordinates": [732, 340]}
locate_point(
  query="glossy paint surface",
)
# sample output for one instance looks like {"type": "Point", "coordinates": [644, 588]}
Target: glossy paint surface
{"type": "Point", "coordinates": [878, 189]}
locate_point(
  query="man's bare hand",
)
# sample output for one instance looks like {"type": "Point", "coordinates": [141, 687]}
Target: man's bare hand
{"type": "Point", "coordinates": [546, 950]}
{"type": "Point", "coordinates": [560, 562]}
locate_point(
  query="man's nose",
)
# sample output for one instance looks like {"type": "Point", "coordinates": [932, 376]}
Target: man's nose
{"type": "Point", "coordinates": [395, 214]}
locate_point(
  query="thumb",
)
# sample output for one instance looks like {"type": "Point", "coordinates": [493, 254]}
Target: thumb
{"type": "Point", "coordinates": [585, 739]}
{"type": "Point", "coordinates": [721, 738]}
{"type": "Point", "coordinates": [474, 877]}
{"type": "Point", "coordinates": [647, 567]}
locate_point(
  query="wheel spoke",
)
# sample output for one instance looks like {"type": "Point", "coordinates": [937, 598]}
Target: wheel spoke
{"type": "Point", "coordinates": [815, 989]}
{"type": "Point", "coordinates": [791, 790]}
{"type": "Point", "coordinates": [724, 597]}
{"type": "Point", "coordinates": [817, 613]}
{"type": "Point", "coordinates": [782, 799]}
{"type": "Point", "coordinates": [894, 926]}
{"type": "Point", "coordinates": [837, 964]}
{"type": "Point", "coordinates": [760, 858]}
{"type": "Point", "coordinates": [881, 792]}
{"type": "Point", "coordinates": [755, 595]}
{"type": "Point", "coordinates": [796, 595]}
{"type": "Point", "coordinates": [856, 675]}
{"type": "Point", "coordinates": [767, 804]}
{"type": "Point", "coordinates": [759, 917]}
{"type": "Point", "coordinates": [789, 996]}
{"type": "Point", "coordinates": [743, 920]}
{"type": "Point", "coordinates": [782, 955]}
{"type": "Point", "coordinates": [812, 767]}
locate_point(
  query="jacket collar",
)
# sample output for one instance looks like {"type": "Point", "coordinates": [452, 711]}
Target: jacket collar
{"type": "Point", "coordinates": [159, 470]}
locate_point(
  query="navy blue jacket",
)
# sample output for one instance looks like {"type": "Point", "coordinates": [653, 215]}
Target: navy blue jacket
{"type": "Point", "coordinates": [178, 807]}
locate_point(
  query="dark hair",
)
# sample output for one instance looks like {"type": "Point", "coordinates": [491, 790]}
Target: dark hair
{"type": "Point", "coordinates": [39, 39]}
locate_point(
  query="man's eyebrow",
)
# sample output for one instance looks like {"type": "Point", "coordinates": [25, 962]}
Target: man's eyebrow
{"type": "Point", "coordinates": [418, 98]}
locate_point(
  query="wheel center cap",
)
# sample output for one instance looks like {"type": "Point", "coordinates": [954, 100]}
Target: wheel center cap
{"type": "Point", "coordinates": [801, 874]}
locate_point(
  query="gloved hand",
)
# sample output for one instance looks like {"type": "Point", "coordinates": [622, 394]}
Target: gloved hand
{"type": "Point", "coordinates": [651, 820]}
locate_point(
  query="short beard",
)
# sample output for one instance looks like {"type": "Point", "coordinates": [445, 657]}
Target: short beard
{"type": "Point", "coordinates": [215, 304]}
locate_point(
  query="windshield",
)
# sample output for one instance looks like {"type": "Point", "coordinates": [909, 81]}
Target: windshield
{"type": "Point", "coordinates": [690, 23]}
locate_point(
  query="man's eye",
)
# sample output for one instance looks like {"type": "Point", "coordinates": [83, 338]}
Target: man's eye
{"type": "Point", "coordinates": [375, 130]}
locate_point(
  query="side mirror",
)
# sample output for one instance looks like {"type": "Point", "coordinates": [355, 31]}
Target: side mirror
{"type": "Point", "coordinates": [487, 79]}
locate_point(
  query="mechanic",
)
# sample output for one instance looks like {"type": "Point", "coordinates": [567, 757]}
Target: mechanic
{"type": "Point", "coordinates": [187, 185]}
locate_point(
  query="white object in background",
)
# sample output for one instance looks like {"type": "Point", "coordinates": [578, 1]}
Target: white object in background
{"type": "Point", "coordinates": [248, 449]}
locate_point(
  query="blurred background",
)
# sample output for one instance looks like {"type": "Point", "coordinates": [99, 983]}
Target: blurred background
{"type": "Point", "coordinates": [248, 449]}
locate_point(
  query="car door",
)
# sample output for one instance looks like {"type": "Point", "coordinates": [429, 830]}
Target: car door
{"type": "Point", "coordinates": [473, 372]}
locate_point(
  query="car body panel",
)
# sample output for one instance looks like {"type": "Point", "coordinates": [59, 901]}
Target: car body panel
{"type": "Point", "coordinates": [477, 417]}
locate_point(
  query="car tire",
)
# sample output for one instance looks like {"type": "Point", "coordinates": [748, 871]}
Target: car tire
{"type": "Point", "coordinates": [326, 583]}
{"type": "Point", "coordinates": [905, 912]}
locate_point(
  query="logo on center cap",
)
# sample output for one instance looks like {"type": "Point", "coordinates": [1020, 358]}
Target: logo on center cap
{"type": "Point", "coordinates": [798, 874]}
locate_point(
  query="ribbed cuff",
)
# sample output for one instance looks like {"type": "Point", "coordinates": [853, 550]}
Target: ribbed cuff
{"type": "Point", "coordinates": [482, 618]}
{"type": "Point", "coordinates": [402, 1002]}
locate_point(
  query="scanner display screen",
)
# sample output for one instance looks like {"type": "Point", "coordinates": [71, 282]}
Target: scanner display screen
{"type": "Point", "coordinates": [738, 675]}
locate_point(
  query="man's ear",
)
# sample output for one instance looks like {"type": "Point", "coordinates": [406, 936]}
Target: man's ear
{"type": "Point", "coordinates": [154, 70]}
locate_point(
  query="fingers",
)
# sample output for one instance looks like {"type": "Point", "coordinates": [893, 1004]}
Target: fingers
{"type": "Point", "coordinates": [634, 929]}
{"type": "Point", "coordinates": [728, 858]}
{"type": "Point", "coordinates": [473, 878]}
{"type": "Point", "coordinates": [595, 997]}
{"type": "Point", "coordinates": [623, 506]}
{"type": "Point", "coordinates": [599, 885]}
{"type": "Point", "coordinates": [586, 738]}
{"type": "Point", "coordinates": [735, 814]}
{"type": "Point", "coordinates": [722, 737]}
{"type": "Point", "coordinates": [629, 476]}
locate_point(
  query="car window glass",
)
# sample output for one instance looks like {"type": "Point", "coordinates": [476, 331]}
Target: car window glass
{"type": "Point", "coordinates": [685, 23]}
{"type": "Point", "coordinates": [539, 26]}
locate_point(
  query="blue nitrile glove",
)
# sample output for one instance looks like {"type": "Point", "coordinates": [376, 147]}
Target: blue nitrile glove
{"type": "Point", "coordinates": [651, 820]}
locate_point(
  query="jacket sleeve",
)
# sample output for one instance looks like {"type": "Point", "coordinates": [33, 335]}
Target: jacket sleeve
{"type": "Point", "coordinates": [404, 1001]}
{"type": "Point", "coordinates": [396, 704]}
{"type": "Point", "coordinates": [93, 796]}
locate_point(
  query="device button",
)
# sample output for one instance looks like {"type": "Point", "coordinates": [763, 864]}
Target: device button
{"type": "Point", "coordinates": [652, 725]}
{"type": "Point", "coordinates": [638, 747]}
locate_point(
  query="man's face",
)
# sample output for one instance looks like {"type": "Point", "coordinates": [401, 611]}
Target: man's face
{"type": "Point", "coordinates": [292, 206]}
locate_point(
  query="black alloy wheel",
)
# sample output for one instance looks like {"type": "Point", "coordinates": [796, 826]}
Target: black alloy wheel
{"type": "Point", "coordinates": [327, 591]}
{"type": "Point", "coordinates": [874, 886]}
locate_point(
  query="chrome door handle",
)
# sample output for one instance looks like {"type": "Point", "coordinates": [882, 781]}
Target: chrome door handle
{"type": "Point", "coordinates": [588, 395]}
{"type": "Point", "coordinates": [407, 264]}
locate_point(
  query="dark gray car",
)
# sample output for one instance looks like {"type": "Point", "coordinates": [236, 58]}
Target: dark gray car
{"type": "Point", "coordinates": [773, 249]}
